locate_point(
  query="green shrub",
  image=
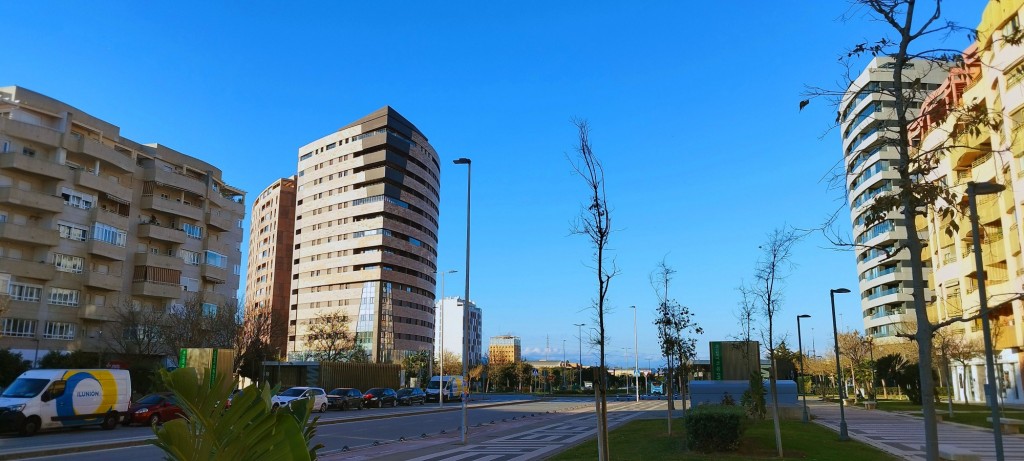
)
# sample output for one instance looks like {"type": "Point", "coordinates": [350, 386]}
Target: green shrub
{"type": "Point", "coordinates": [753, 400]}
{"type": "Point", "coordinates": [714, 427]}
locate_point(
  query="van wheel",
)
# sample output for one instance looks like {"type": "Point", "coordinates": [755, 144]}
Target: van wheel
{"type": "Point", "coordinates": [109, 421]}
{"type": "Point", "coordinates": [30, 426]}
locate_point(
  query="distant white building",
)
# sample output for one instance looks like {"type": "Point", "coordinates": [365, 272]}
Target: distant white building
{"type": "Point", "coordinates": [449, 333]}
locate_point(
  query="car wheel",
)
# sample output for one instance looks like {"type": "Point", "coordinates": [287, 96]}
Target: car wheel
{"type": "Point", "coordinates": [344, 406]}
{"type": "Point", "coordinates": [394, 403]}
{"type": "Point", "coordinates": [323, 408]}
{"type": "Point", "coordinates": [154, 420]}
{"type": "Point", "coordinates": [360, 406]}
{"type": "Point", "coordinates": [30, 426]}
{"type": "Point", "coordinates": [110, 421]}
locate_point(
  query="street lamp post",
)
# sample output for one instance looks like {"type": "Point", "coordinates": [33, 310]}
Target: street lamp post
{"type": "Point", "coordinates": [800, 344]}
{"type": "Point", "coordinates": [843, 434]}
{"type": "Point", "coordinates": [562, 368]}
{"type": "Point", "coordinates": [440, 311]}
{"type": "Point", "coordinates": [973, 190]}
{"type": "Point", "coordinates": [636, 357]}
{"type": "Point", "coordinates": [580, 328]}
{"type": "Point", "coordinates": [465, 303]}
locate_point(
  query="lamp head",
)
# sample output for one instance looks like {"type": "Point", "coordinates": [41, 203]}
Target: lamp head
{"type": "Point", "coordinates": [803, 316]}
{"type": "Point", "coordinates": [462, 161]}
{"type": "Point", "coordinates": [984, 188]}
{"type": "Point", "coordinates": [840, 290]}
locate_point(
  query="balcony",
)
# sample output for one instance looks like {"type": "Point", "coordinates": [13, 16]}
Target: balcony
{"type": "Point", "coordinates": [108, 251]}
{"type": "Point", "coordinates": [28, 235]}
{"type": "Point", "coordinates": [163, 234]}
{"type": "Point", "coordinates": [31, 199]}
{"type": "Point", "coordinates": [159, 260]}
{"type": "Point", "coordinates": [32, 165]}
{"type": "Point", "coordinates": [121, 161]}
{"type": "Point", "coordinates": [221, 220]}
{"type": "Point", "coordinates": [109, 282]}
{"type": "Point", "coordinates": [104, 184]}
{"type": "Point", "coordinates": [107, 216]}
{"type": "Point", "coordinates": [36, 133]}
{"type": "Point", "coordinates": [175, 180]}
{"type": "Point", "coordinates": [29, 269]}
{"type": "Point", "coordinates": [175, 207]}
{"type": "Point", "coordinates": [227, 203]}
{"type": "Point", "coordinates": [97, 313]}
{"type": "Point", "coordinates": [214, 274]}
{"type": "Point", "coordinates": [156, 289]}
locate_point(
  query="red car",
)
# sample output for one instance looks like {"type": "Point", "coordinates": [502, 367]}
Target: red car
{"type": "Point", "coordinates": [153, 409]}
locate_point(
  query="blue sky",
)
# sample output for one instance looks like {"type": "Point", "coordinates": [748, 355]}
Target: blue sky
{"type": "Point", "coordinates": [692, 106]}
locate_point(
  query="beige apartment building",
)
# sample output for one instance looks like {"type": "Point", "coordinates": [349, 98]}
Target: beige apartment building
{"type": "Point", "coordinates": [366, 236]}
{"type": "Point", "coordinates": [269, 273]}
{"type": "Point", "coordinates": [90, 220]}
{"type": "Point", "coordinates": [505, 349]}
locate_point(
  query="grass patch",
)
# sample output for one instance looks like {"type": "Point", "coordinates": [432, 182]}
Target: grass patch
{"type": "Point", "coordinates": [973, 415]}
{"type": "Point", "coordinates": [646, 439]}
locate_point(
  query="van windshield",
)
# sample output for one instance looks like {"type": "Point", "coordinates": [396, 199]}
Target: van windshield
{"type": "Point", "coordinates": [436, 384]}
{"type": "Point", "coordinates": [25, 388]}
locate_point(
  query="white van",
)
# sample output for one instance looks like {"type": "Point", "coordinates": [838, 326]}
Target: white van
{"type": "Point", "coordinates": [46, 399]}
{"type": "Point", "coordinates": [449, 386]}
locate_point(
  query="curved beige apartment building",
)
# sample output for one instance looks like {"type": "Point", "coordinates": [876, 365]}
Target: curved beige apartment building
{"type": "Point", "coordinates": [89, 219]}
{"type": "Point", "coordinates": [269, 273]}
{"type": "Point", "coordinates": [868, 130]}
{"type": "Point", "coordinates": [366, 236]}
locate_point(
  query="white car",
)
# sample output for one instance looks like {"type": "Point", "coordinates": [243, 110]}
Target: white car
{"type": "Point", "coordinates": [287, 396]}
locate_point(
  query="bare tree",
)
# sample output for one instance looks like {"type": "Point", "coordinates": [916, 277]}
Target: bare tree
{"type": "Point", "coordinates": [660, 280]}
{"type": "Point", "coordinates": [252, 345]}
{"type": "Point", "coordinates": [196, 322]}
{"type": "Point", "coordinates": [769, 275]}
{"type": "Point", "coordinates": [676, 330]}
{"type": "Point", "coordinates": [135, 329]}
{"type": "Point", "coordinates": [328, 338]}
{"type": "Point", "coordinates": [855, 351]}
{"type": "Point", "coordinates": [594, 223]}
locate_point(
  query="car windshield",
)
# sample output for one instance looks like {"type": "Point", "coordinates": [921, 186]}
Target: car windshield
{"type": "Point", "coordinates": [338, 391]}
{"type": "Point", "coordinates": [150, 399]}
{"type": "Point", "coordinates": [375, 391]}
{"type": "Point", "coordinates": [405, 392]}
{"type": "Point", "coordinates": [25, 387]}
{"type": "Point", "coordinates": [293, 392]}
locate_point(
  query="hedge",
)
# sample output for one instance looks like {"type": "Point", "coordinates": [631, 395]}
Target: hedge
{"type": "Point", "coordinates": [712, 428]}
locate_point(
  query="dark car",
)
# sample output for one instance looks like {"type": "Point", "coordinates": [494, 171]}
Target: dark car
{"type": "Point", "coordinates": [380, 397]}
{"type": "Point", "coordinates": [153, 409]}
{"type": "Point", "coordinates": [344, 398]}
{"type": "Point", "coordinates": [411, 396]}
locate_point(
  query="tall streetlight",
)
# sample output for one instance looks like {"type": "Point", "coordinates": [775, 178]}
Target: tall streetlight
{"type": "Point", "coordinates": [562, 369]}
{"type": "Point", "coordinates": [973, 190]}
{"type": "Point", "coordinates": [843, 434]}
{"type": "Point", "coordinates": [800, 344]}
{"type": "Point", "coordinates": [440, 311]}
{"type": "Point", "coordinates": [465, 303]}
{"type": "Point", "coordinates": [636, 357]}
{"type": "Point", "coordinates": [580, 328]}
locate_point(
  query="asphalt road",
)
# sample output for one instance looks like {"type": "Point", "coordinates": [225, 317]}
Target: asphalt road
{"type": "Point", "coordinates": [337, 429]}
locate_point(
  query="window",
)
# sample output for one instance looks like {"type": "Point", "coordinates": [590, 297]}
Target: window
{"type": "Point", "coordinates": [64, 297]}
{"type": "Point", "coordinates": [71, 231]}
{"type": "Point", "coordinates": [192, 230]}
{"type": "Point", "coordinates": [237, 270]}
{"type": "Point", "coordinates": [209, 310]}
{"type": "Point", "coordinates": [19, 328]}
{"type": "Point", "coordinates": [59, 330]}
{"type": "Point", "coordinates": [77, 199]}
{"type": "Point", "coordinates": [189, 284]}
{"type": "Point", "coordinates": [191, 257]}
{"type": "Point", "coordinates": [67, 263]}
{"type": "Point", "coordinates": [216, 259]}
{"type": "Point", "coordinates": [23, 292]}
{"type": "Point", "coordinates": [239, 223]}
{"type": "Point", "coordinates": [109, 234]}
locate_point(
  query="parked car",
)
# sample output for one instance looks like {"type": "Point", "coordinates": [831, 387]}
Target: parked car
{"type": "Point", "coordinates": [153, 409]}
{"type": "Point", "coordinates": [380, 397]}
{"type": "Point", "coordinates": [344, 398]}
{"type": "Point", "coordinates": [411, 396]}
{"type": "Point", "coordinates": [231, 397]}
{"type": "Point", "coordinates": [287, 396]}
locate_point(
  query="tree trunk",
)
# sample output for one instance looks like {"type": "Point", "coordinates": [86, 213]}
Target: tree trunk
{"type": "Point", "coordinates": [775, 395]}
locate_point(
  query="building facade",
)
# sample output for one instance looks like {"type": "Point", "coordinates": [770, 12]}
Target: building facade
{"type": "Point", "coordinates": [269, 274]}
{"type": "Point", "coordinates": [93, 224]}
{"type": "Point", "coordinates": [452, 311]}
{"type": "Point", "coordinates": [990, 83]}
{"type": "Point", "coordinates": [504, 349]}
{"type": "Point", "coordinates": [365, 240]}
{"type": "Point", "coordinates": [868, 130]}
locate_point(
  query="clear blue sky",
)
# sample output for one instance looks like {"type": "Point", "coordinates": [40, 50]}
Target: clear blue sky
{"type": "Point", "coordinates": [693, 109]}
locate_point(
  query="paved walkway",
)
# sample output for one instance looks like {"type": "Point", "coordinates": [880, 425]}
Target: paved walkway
{"type": "Point", "coordinates": [902, 434]}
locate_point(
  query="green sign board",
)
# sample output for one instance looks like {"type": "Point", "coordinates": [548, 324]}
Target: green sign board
{"type": "Point", "coordinates": [716, 361]}
{"type": "Point", "coordinates": [213, 368]}
{"type": "Point", "coordinates": [182, 358]}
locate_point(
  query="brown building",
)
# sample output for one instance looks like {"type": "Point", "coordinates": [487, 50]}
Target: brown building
{"type": "Point", "coordinates": [505, 349]}
{"type": "Point", "coordinates": [269, 274]}
{"type": "Point", "coordinates": [91, 221]}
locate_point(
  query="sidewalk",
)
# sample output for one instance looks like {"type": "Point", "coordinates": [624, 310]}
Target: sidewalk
{"type": "Point", "coordinates": [902, 435]}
